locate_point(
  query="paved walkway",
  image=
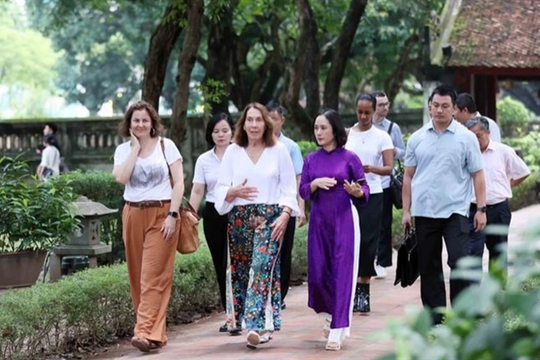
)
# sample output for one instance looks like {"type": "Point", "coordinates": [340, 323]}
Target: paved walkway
{"type": "Point", "coordinates": [301, 337]}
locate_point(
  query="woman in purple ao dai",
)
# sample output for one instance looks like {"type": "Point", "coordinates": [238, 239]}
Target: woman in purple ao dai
{"type": "Point", "coordinates": [333, 180]}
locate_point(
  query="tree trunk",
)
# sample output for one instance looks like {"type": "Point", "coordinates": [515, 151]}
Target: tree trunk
{"type": "Point", "coordinates": [161, 45]}
{"type": "Point", "coordinates": [186, 62]}
{"type": "Point", "coordinates": [313, 65]}
{"type": "Point", "coordinates": [393, 83]}
{"type": "Point", "coordinates": [221, 44]}
{"type": "Point", "coordinates": [296, 75]}
{"type": "Point", "coordinates": [341, 53]}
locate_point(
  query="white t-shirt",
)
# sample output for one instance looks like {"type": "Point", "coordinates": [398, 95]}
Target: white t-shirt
{"type": "Point", "coordinates": [150, 177]}
{"type": "Point", "coordinates": [273, 175]}
{"type": "Point", "coordinates": [369, 145]}
{"type": "Point", "coordinates": [206, 173]}
{"type": "Point", "coordinates": [50, 158]}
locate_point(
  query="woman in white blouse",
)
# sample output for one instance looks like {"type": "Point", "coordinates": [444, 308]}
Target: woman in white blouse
{"type": "Point", "coordinates": [257, 187]}
{"type": "Point", "coordinates": [218, 136]}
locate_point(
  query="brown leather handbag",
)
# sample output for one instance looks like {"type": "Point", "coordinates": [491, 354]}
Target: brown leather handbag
{"type": "Point", "coordinates": [188, 236]}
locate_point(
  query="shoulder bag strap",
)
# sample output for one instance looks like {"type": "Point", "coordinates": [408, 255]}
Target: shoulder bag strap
{"type": "Point", "coordinates": [390, 128]}
{"type": "Point", "coordinates": [166, 162]}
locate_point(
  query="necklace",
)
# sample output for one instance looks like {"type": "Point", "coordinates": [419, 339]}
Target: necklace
{"type": "Point", "coordinates": [362, 134]}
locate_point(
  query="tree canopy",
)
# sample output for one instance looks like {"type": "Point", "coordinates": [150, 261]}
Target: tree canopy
{"type": "Point", "coordinates": [306, 54]}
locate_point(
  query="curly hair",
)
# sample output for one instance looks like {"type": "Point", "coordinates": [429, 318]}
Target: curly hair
{"type": "Point", "coordinates": [123, 128]}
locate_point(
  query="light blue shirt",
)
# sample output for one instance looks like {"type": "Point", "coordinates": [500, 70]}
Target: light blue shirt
{"type": "Point", "coordinates": [397, 140]}
{"type": "Point", "coordinates": [294, 151]}
{"type": "Point", "coordinates": [442, 183]}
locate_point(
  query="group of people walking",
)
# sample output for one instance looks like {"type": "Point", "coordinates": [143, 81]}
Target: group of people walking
{"type": "Point", "coordinates": [254, 183]}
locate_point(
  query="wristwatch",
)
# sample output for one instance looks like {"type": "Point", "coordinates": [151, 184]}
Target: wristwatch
{"type": "Point", "coordinates": [174, 214]}
{"type": "Point", "coordinates": [482, 209]}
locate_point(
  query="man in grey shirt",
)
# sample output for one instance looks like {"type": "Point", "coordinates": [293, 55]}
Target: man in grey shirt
{"type": "Point", "coordinates": [384, 247]}
{"type": "Point", "coordinates": [442, 161]}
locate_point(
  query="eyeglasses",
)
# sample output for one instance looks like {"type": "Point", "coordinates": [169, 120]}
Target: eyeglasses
{"type": "Point", "coordinates": [381, 105]}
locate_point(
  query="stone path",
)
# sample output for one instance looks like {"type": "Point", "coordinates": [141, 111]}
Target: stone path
{"type": "Point", "coordinates": [301, 337]}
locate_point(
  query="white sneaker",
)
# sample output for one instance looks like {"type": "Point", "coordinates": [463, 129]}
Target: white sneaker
{"type": "Point", "coordinates": [381, 272]}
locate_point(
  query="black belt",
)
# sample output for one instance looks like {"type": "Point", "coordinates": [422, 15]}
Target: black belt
{"type": "Point", "coordinates": [474, 206]}
{"type": "Point", "coordinates": [148, 203]}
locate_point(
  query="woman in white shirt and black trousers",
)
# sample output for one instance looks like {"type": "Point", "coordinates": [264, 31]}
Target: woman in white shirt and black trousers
{"type": "Point", "coordinates": [257, 187]}
{"type": "Point", "coordinates": [149, 219]}
{"type": "Point", "coordinates": [218, 136]}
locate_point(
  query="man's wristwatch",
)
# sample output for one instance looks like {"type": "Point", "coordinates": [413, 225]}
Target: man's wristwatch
{"type": "Point", "coordinates": [482, 209]}
{"type": "Point", "coordinates": [174, 214]}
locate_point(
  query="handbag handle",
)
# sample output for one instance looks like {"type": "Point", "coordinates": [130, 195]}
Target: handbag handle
{"type": "Point", "coordinates": [185, 206]}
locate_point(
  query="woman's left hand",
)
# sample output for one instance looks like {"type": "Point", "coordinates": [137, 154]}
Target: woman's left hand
{"type": "Point", "coordinates": [168, 228]}
{"type": "Point", "coordinates": [279, 227]}
{"type": "Point", "coordinates": [353, 189]}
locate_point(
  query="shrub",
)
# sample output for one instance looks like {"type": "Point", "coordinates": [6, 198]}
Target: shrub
{"type": "Point", "coordinates": [92, 307]}
{"type": "Point", "coordinates": [299, 263]}
{"type": "Point", "coordinates": [512, 115]}
{"type": "Point", "coordinates": [101, 187]}
{"type": "Point", "coordinates": [306, 147]}
{"type": "Point", "coordinates": [490, 320]}
{"type": "Point", "coordinates": [35, 214]}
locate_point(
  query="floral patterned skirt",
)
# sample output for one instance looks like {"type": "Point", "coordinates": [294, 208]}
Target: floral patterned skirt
{"type": "Point", "coordinates": [253, 275]}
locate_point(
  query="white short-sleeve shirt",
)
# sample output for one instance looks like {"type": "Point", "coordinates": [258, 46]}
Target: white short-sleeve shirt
{"type": "Point", "coordinates": [50, 158]}
{"type": "Point", "coordinates": [150, 177]}
{"type": "Point", "coordinates": [369, 145]}
{"type": "Point", "coordinates": [206, 173]}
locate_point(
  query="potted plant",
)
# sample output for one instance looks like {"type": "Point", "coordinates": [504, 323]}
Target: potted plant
{"type": "Point", "coordinates": [35, 216]}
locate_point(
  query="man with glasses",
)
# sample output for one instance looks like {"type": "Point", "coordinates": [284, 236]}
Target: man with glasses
{"type": "Point", "coordinates": [503, 170]}
{"type": "Point", "coordinates": [442, 165]}
{"type": "Point", "coordinates": [384, 248]}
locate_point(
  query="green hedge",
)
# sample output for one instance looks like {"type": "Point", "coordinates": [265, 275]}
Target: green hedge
{"type": "Point", "coordinates": [93, 307]}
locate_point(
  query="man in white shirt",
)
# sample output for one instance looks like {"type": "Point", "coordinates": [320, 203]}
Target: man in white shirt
{"type": "Point", "coordinates": [384, 248]}
{"type": "Point", "coordinates": [466, 109]}
{"type": "Point", "coordinates": [277, 114]}
{"type": "Point", "coordinates": [503, 170]}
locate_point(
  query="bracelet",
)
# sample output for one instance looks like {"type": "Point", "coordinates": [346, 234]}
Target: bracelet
{"type": "Point", "coordinates": [287, 212]}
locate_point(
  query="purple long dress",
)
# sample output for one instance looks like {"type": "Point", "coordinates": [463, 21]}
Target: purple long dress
{"type": "Point", "coordinates": [334, 233]}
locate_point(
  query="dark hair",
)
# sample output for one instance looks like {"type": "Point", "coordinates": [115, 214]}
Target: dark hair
{"type": "Point", "coordinates": [212, 124]}
{"type": "Point", "coordinates": [444, 90]}
{"type": "Point", "coordinates": [378, 94]}
{"type": "Point", "coordinates": [333, 117]}
{"type": "Point", "coordinates": [49, 139]}
{"type": "Point", "coordinates": [275, 106]}
{"type": "Point", "coordinates": [367, 97]}
{"type": "Point", "coordinates": [465, 100]}
{"type": "Point", "coordinates": [52, 126]}
{"type": "Point", "coordinates": [123, 128]}
{"type": "Point", "coordinates": [240, 135]}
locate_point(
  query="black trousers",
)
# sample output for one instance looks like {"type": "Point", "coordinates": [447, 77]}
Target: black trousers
{"type": "Point", "coordinates": [286, 257]}
{"type": "Point", "coordinates": [497, 214]}
{"type": "Point", "coordinates": [429, 234]}
{"type": "Point", "coordinates": [215, 231]}
{"type": "Point", "coordinates": [370, 231]}
{"type": "Point", "coordinates": [384, 248]}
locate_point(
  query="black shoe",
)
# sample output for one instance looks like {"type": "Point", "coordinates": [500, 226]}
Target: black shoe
{"type": "Point", "coordinates": [283, 306]}
{"type": "Point", "coordinates": [356, 301]}
{"type": "Point", "coordinates": [363, 300]}
{"type": "Point", "coordinates": [223, 328]}
{"type": "Point", "coordinates": [235, 332]}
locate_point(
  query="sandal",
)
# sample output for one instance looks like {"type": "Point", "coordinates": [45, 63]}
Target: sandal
{"type": "Point", "coordinates": [326, 328]}
{"type": "Point", "coordinates": [154, 345]}
{"type": "Point", "coordinates": [141, 343]}
{"type": "Point", "coordinates": [333, 346]}
{"type": "Point", "coordinates": [253, 339]}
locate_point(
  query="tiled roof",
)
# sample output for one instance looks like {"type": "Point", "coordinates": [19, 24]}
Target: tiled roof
{"type": "Point", "coordinates": [497, 33]}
